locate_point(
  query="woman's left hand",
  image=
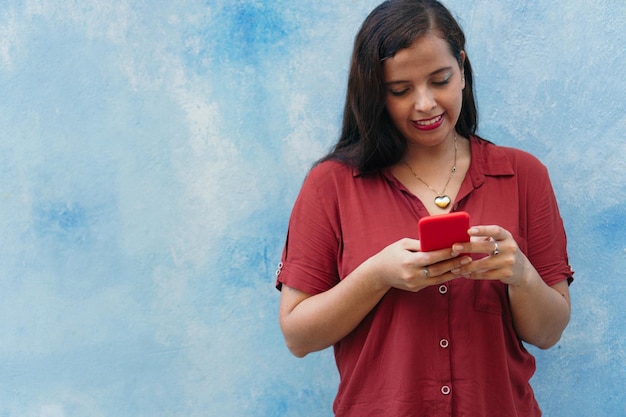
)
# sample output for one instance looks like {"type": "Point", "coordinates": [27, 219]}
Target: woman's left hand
{"type": "Point", "coordinates": [504, 260]}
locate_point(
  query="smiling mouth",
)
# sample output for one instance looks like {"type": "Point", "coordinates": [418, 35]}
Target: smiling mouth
{"type": "Point", "coordinates": [429, 122]}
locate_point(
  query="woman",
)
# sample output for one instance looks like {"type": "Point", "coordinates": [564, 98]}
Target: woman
{"type": "Point", "coordinates": [423, 333]}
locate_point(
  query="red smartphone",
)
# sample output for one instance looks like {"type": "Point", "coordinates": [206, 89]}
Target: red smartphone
{"type": "Point", "coordinates": [443, 230]}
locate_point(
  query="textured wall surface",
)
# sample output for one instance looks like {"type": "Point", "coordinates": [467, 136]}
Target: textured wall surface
{"type": "Point", "coordinates": [150, 153]}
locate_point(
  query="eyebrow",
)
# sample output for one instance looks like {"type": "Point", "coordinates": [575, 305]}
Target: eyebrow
{"type": "Point", "coordinates": [436, 72]}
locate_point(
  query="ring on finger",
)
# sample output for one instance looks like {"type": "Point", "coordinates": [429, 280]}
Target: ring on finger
{"type": "Point", "coordinates": [426, 272]}
{"type": "Point", "coordinates": [495, 247]}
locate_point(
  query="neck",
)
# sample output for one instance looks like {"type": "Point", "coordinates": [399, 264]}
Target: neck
{"type": "Point", "coordinates": [442, 200]}
{"type": "Point", "coordinates": [426, 157]}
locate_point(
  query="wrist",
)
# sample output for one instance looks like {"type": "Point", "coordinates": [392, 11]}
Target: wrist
{"type": "Point", "coordinates": [372, 272]}
{"type": "Point", "coordinates": [527, 278]}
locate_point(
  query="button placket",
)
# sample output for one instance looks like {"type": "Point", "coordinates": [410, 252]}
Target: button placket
{"type": "Point", "coordinates": [444, 352]}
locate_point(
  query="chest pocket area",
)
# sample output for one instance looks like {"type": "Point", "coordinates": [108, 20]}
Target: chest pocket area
{"type": "Point", "coordinates": [490, 297]}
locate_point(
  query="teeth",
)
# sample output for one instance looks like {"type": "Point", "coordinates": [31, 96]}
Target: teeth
{"type": "Point", "coordinates": [429, 122]}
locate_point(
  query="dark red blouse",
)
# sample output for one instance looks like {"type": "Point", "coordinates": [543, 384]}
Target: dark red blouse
{"type": "Point", "coordinates": [448, 350]}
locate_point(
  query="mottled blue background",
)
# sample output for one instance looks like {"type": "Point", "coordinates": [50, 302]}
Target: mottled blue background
{"type": "Point", "coordinates": [150, 153]}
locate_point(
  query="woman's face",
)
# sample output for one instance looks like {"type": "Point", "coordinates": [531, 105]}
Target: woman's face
{"type": "Point", "coordinates": [424, 91]}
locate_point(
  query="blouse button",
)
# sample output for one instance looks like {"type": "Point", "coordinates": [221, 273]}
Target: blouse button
{"type": "Point", "coordinates": [445, 390]}
{"type": "Point", "coordinates": [443, 289]}
{"type": "Point", "coordinates": [280, 267]}
{"type": "Point", "coordinates": [444, 343]}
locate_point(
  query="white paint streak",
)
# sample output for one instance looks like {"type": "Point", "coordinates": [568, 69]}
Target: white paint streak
{"type": "Point", "coordinates": [8, 40]}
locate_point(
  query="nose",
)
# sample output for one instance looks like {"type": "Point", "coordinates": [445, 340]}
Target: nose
{"type": "Point", "coordinates": [424, 101]}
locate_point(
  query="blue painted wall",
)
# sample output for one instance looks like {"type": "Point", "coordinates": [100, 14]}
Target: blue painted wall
{"type": "Point", "coordinates": [150, 153]}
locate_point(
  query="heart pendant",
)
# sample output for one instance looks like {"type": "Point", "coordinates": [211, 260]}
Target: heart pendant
{"type": "Point", "coordinates": [442, 201]}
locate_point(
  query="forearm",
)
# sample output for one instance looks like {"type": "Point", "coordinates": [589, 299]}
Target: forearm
{"type": "Point", "coordinates": [312, 323]}
{"type": "Point", "coordinates": [540, 312]}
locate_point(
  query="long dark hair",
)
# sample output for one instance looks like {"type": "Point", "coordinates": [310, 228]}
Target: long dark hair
{"type": "Point", "coordinates": [369, 140]}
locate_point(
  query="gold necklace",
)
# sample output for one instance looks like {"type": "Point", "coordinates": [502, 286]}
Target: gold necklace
{"type": "Point", "coordinates": [441, 199]}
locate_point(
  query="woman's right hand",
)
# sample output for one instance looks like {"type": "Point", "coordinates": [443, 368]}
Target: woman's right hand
{"type": "Point", "coordinates": [403, 266]}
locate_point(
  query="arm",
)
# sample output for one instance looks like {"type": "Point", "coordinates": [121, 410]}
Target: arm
{"type": "Point", "coordinates": [540, 312]}
{"type": "Point", "coordinates": [312, 323]}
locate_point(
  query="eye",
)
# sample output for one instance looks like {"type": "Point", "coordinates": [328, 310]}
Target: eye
{"type": "Point", "coordinates": [399, 93]}
{"type": "Point", "coordinates": [442, 81]}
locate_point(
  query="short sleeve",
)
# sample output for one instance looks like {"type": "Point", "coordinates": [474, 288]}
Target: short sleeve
{"type": "Point", "coordinates": [309, 259]}
{"type": "Point", "coordinates": [546, 237]}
